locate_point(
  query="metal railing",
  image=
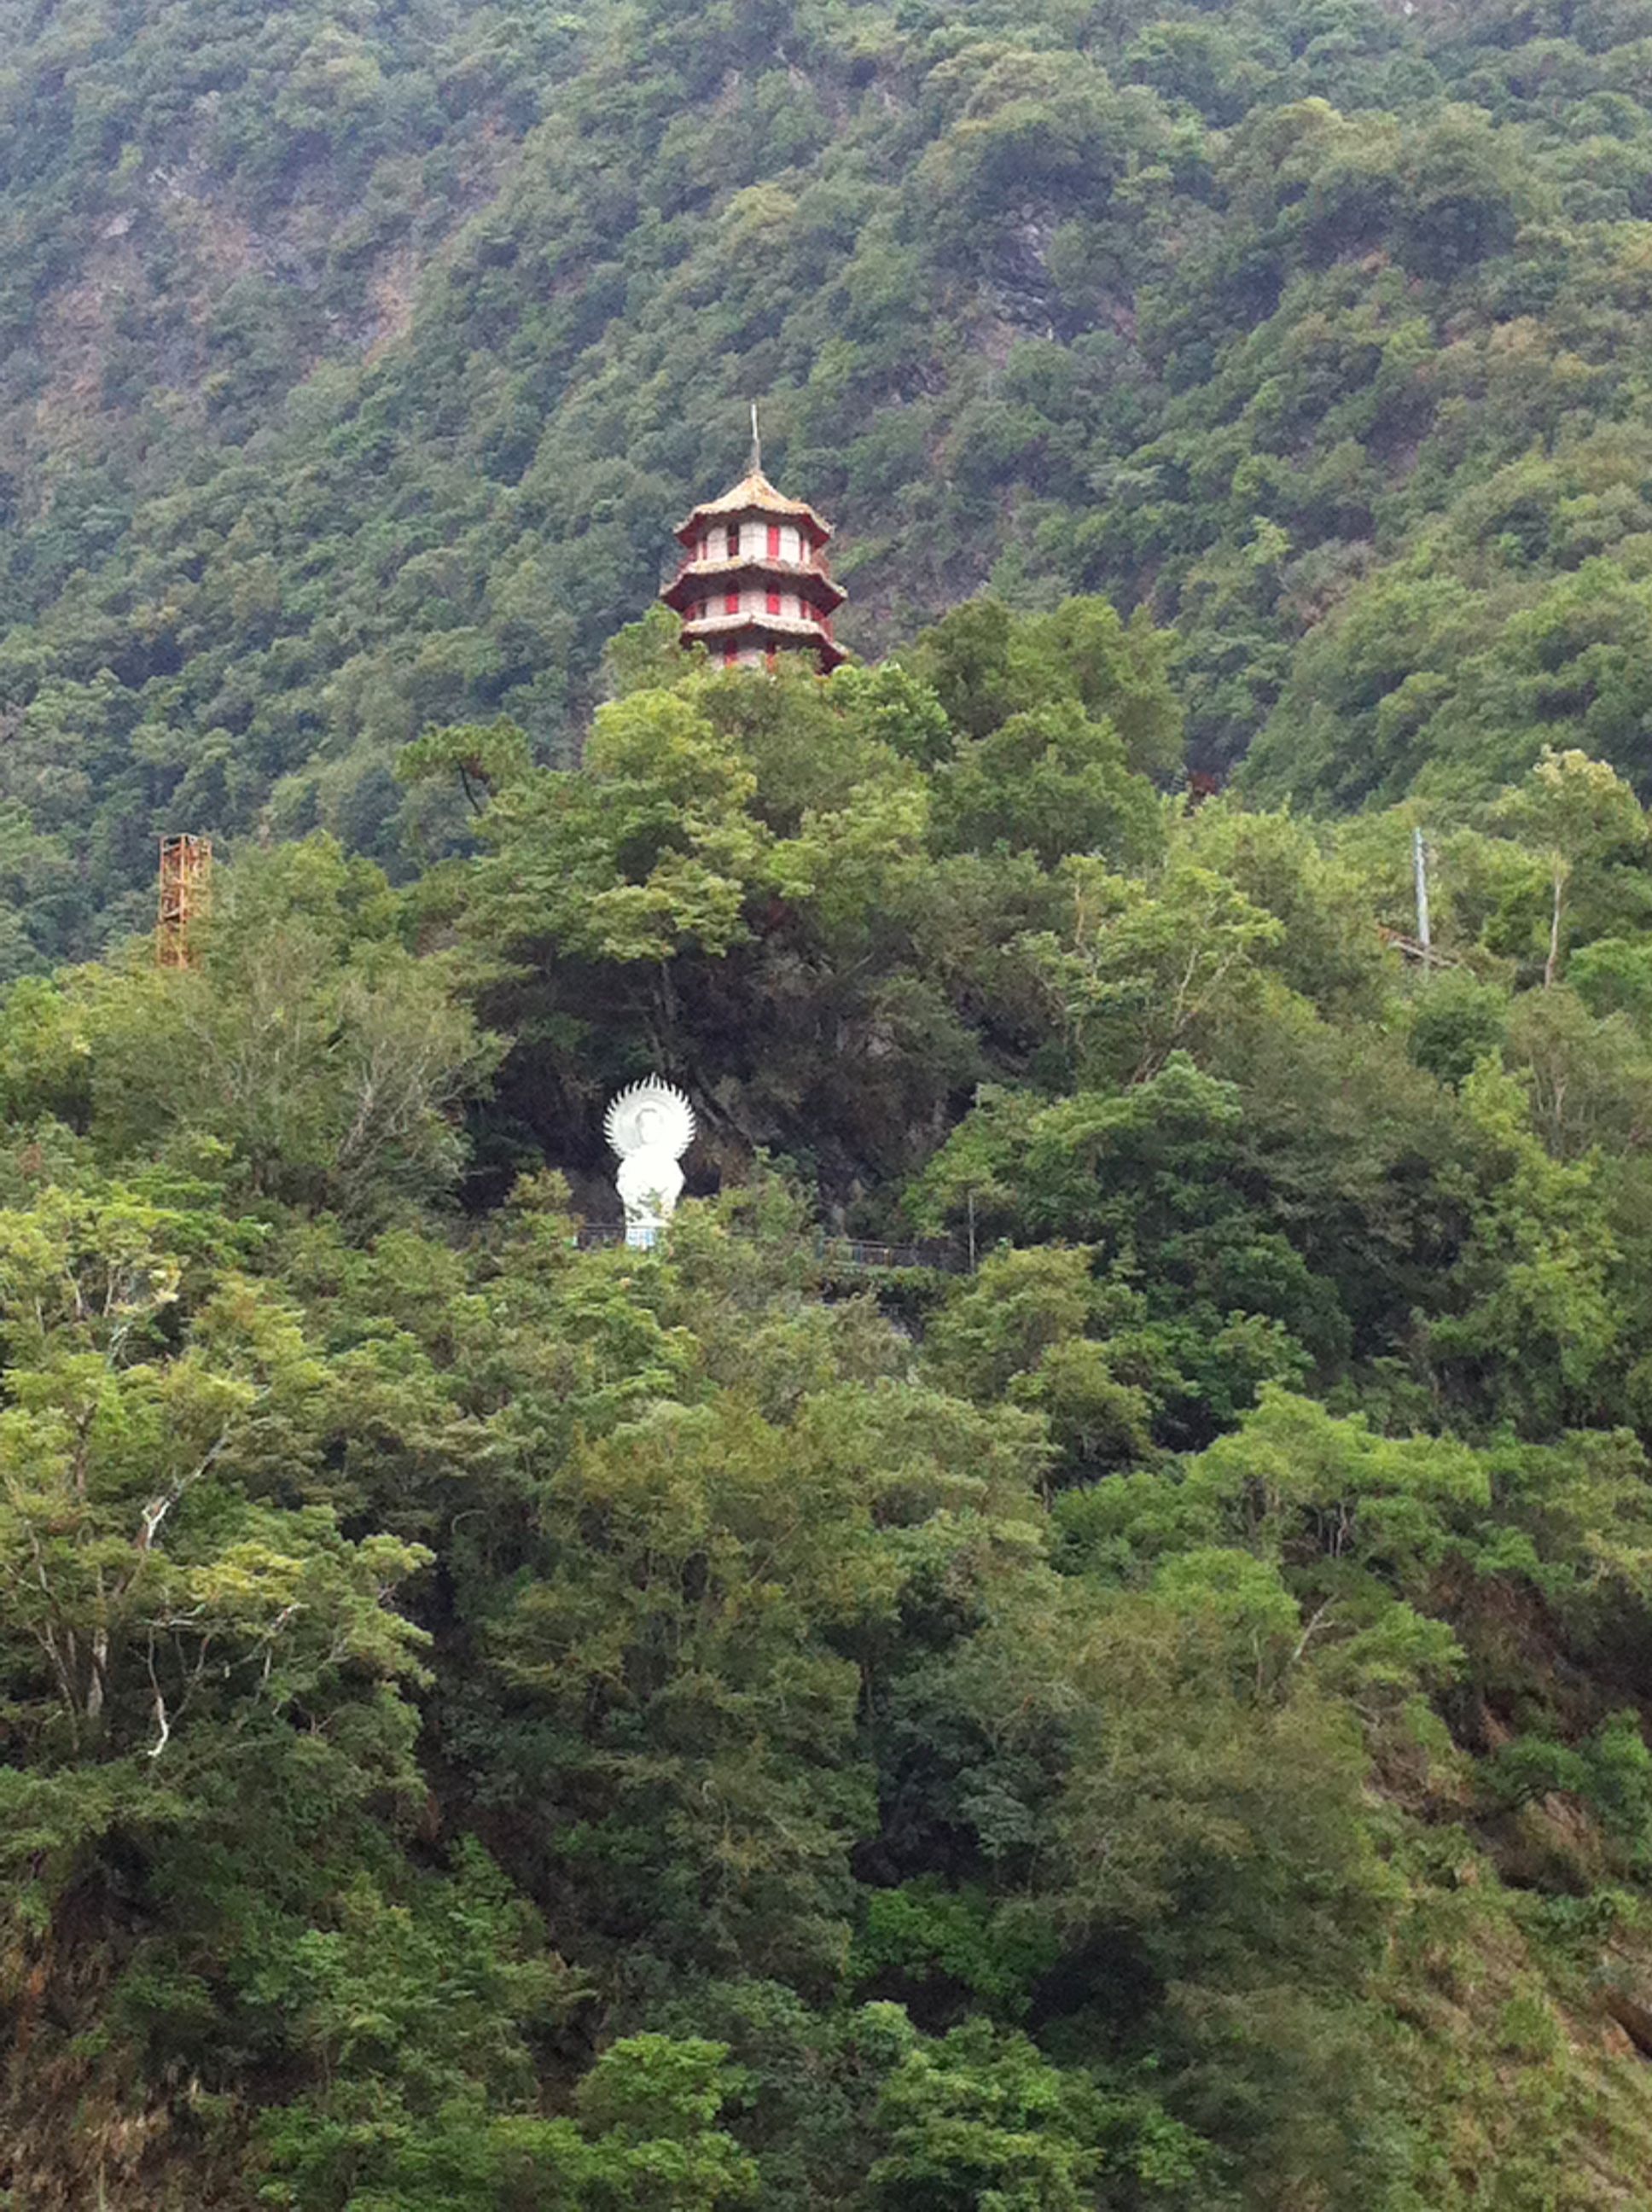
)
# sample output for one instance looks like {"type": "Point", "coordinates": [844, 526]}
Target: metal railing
{"type": "Point", "coordinates": [832, 1251]}
{"type": "Point", "coordinates": [594, 1236]}
{"type": "Point", "coordinates": [861, 1252]}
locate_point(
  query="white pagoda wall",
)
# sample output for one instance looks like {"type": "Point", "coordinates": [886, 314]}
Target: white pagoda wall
{"type": "Point", "coordinates": [753, 542]}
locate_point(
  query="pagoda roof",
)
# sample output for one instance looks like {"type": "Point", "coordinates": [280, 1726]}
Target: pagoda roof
{"type": "Point", "coordinates": [767, 626]}
{"type": "Point", "coordinates": [755, 494]}
{"type": "Point", "coordinates": [809, 582]}
{"type": "Point", "coordinates": [721, 625]}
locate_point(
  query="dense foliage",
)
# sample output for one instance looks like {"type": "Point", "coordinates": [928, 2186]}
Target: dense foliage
{"type": "Point", "coordinates": [1150, 1718]}
{"type": "Point", "coordinates": [356, 363]}
{"type": "Point", "coordinates": [1147, 1713]}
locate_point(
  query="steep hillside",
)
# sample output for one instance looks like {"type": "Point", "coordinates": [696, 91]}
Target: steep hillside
{"type": "Point", "coordinates": [1154, 1716]}
{"type": "Point", "coordinates": [361, 365]}
{"type": "Point", "coordinates": [201, 207]}
{"type": "Point", "coordinates": [1150, 1712]}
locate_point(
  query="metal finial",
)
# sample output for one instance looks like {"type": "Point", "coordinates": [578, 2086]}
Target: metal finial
{"type": "Point", "coordinates": [757, 443]}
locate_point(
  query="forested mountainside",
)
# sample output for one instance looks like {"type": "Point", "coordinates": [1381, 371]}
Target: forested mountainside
{"type": "Point", "coordinates": [356, 361]}
{"type": "Point", "coordinates": [1150, 1710]}
{"type": "Point", "coordinates": [1152, 1717]}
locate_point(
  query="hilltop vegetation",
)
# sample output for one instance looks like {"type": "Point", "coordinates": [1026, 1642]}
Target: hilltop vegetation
{"type": "Point", "coordinates": [359, 363]}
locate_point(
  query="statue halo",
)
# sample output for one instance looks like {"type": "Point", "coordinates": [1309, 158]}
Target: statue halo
{"type": "Point", "coordinates": [651, 1116]}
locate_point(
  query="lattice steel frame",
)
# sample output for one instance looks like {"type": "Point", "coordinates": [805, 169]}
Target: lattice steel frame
{"type": "Point", "coordinates": [185, 891]}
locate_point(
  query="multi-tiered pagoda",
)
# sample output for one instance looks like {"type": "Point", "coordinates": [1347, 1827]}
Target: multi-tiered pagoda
{"type": "Point", "coordinates": [754, 580]}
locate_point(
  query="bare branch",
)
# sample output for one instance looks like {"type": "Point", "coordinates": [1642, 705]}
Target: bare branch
{"type": "Point", "coordinates": [163, 1726]}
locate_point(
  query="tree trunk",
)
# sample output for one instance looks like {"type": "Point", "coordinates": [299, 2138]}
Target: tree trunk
{"type": "Point", "coordinates": [1553, 960]}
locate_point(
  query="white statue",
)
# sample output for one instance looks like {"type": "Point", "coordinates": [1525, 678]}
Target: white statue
{"type": "Point", "coordinates": [650, 1125]}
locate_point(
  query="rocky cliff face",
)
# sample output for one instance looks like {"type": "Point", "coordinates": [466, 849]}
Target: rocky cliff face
{"type": "Point", "coordinates": [199, 213]}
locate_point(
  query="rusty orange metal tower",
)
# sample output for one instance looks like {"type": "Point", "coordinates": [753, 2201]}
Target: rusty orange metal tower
{"type": "Point", "coordinates": [185, 887]}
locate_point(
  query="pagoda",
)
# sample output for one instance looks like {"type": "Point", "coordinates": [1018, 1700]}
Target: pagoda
{"type": "Point", "coordinates": [753, 582]}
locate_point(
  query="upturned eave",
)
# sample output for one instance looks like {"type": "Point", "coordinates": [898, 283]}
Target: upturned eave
{"type": "Point", "coordinates": [782, 629]}
{"type": "Point", "coordinates": [796, 575]}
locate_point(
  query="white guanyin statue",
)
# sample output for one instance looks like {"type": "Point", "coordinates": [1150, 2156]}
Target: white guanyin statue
{"type": "Point", "coordinates": [650, 1125]}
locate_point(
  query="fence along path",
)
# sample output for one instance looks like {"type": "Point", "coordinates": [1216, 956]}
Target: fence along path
{"type": "Point", "coordinates": [833, 1251]}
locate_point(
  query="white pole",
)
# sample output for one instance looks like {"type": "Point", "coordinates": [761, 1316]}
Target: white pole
{"type": "Point", "coordinates": [1419, 855]}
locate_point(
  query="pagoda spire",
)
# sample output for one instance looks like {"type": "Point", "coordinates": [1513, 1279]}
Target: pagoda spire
{"type": "Point", "coordinates": [754, 581]}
